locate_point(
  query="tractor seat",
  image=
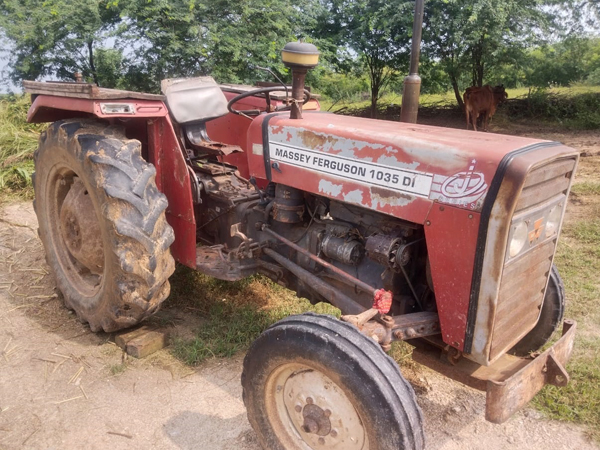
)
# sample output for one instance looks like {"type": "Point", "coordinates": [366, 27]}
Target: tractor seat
{"type": "Point", "coordinates": [192, 102]}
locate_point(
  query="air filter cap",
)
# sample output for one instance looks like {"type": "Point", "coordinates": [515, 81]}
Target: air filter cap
{"type": "Point", "coordinates": [300, 54]}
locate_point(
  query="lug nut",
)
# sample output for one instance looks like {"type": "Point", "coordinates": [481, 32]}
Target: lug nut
{"type": "Point", "coordinates": [298, 408]}
{"type": "Point", "coordinates": [310, 426]}
{"type": "Point", "coordinates": [321, 441]}
{"type": "Point", "coordinates": [309, 400]}
{"type": "Point", "coordinates": [333, 433]}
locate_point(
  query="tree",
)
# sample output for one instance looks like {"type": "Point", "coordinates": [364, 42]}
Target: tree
{"type": "Point", "coordinates": [476, 35]}
{"type": "Point", "coordinates": [570, 60]}
{"type": "Point", "coordinates": [163, 40]}
{"type": "Point", "coordinates": [226, 39]}
{"type": "Point", "coordinates": [149, 39]}
{"type": "Point", "coordinates": [55, 36]}
{"type": "Point", "coordinates": [376, 31]}
{"type": "Point", "coordinates": [242, 35]}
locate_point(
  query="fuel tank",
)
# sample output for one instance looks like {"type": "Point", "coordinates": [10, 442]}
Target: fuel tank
{"type": "Point", "coordinates": [396, 168]}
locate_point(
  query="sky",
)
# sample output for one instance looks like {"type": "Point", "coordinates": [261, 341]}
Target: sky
{"type": "Point", "coordinates": [5, 84]}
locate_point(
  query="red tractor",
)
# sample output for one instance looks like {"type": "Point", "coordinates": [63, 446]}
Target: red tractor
{"type": "Point", "coordinates": [439, 237]}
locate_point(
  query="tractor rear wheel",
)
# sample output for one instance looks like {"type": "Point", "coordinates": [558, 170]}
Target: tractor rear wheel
{"type": "Point", "coordinates": [313, 382]}
{"type": "Point", "coordinates": [102, 222]}
{"type": "Point", "coordinates": [551, 316]}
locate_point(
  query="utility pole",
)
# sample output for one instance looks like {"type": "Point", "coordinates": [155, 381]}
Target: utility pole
{"type": "Point", "coordinates": [412, 83]}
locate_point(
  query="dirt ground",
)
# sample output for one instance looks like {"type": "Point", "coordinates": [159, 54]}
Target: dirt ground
{"type": "Point", "coordinates": [63, 387]}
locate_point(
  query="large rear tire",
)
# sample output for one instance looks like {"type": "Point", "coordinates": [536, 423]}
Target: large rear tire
{"type": "Point", "coordinates": [102, 222]}
{"type": "Point", "coordinates": [313, 382]}
{"type": "Point", "coordinates": [551, 316]}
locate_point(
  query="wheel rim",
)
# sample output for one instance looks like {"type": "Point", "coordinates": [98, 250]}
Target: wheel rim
{"type": "Point", "coordinates": [74, 230]}
{"type": "Point", "coordinates": [309, 411]}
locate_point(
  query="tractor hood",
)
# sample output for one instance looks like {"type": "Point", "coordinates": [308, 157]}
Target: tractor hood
{"type": "Point", "coordinates": [396, 168]}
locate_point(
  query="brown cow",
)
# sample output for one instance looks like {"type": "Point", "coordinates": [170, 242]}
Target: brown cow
{"type": "Point", "coordinates": [482, 101]}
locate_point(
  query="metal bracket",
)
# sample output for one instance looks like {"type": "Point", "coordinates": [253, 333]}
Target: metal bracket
{"type": "Point", "coordinates": [555, 372]}
{"type": "Point", "coordinates": [358, 320]}
{"type": "Point", "coordinates": [386, 329]}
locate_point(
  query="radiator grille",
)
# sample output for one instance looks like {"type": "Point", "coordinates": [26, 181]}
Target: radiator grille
{"type": "Point", "coordinates": [524, 278]}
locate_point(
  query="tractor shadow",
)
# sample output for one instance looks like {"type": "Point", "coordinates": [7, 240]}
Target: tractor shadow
{"type": "Point", "coordinates": [190, 430]}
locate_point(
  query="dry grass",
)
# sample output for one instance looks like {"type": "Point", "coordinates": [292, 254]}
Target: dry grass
{"type": "Point", "coordinates": [18, 141]}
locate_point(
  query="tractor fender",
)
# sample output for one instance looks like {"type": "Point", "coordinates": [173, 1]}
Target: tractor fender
{"type": "Point", "coordinates": [149, 122]}
{"type": "Point", "coordinates": [50, 108]}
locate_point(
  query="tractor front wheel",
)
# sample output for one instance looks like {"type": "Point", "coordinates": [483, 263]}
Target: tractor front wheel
{"type": "Point", "coordinates": [313, 382]}
{"type": "Point", "coordinates": [102, 222]}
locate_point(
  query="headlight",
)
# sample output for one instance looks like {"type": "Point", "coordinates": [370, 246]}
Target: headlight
{"type": "Point", "coordinates": [519, 238]}
{"type": "Point", "coordinates": [553, 221]}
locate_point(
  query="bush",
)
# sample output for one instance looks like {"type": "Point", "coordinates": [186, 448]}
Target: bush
{"type": "Point", "coordinates": [593, 79]}
{"type": "Point", "coordinates": [580, 111]}
{"type": "Point", "coordinates": [339, 87]}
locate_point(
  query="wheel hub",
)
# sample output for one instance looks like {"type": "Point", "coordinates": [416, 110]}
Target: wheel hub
{"type": "Point", "coordinates": [314, 412]}
{"type": "Point", "coordinates": [316, 420]}
{"type": "Point", "coordinates": [80, 229]}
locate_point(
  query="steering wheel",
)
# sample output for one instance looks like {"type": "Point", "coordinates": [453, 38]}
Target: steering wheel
{"type": "Point", "coordinates": [255, 112]}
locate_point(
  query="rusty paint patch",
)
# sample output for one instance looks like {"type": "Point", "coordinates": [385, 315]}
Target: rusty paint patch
{"type": "Point", "coordinates": [383, 197]}
{"type": "Point", "coordinates": [311, 139]}
{"type": "Point", "coordinates": [328, 143]}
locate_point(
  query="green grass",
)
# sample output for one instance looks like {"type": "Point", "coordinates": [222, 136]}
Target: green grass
{"type": "Point", "coordinates": [576, 107]}
{"type": "Point", "coordinates": [448, 98]}
{"type": "Point", "coordinates": [586, 188]}
{"type": "Point", "coordinates": [234, 314]}
{"type": "Point", "coordinates": [117, 369]}
{"type": "Point", "coordinates": [18, 141]}
{"type": "Point", "coordinates": [568, 91]}
{"type": "Point", "coordinates": [579, 401]}
{"type": "Point", "coordinates": [578, 260]}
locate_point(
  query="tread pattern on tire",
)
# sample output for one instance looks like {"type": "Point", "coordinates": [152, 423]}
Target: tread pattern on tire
{"type": "Point", "coordinates": [385, 369]}
{"type": "Point", "coordinates": [134, 207]}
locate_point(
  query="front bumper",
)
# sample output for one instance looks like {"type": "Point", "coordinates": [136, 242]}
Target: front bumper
{"type": "Point", "coordinates": [510, 382]}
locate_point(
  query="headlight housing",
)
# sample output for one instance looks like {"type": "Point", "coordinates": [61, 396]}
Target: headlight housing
{"type": "Point", "coordinates": [553, 221]}
{"type": "Point", "coordinates": [518, 240]}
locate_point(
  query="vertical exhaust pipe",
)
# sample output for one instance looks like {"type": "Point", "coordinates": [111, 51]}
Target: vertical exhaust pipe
{"type": "Point", "coordinates": [300, 57]}
{"type": "Point", "coordinates": [412, 83]}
